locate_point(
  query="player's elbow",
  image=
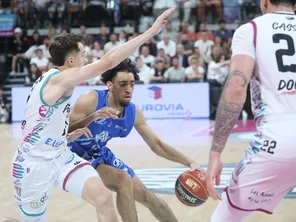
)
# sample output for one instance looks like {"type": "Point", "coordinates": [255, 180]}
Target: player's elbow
{"type": "Point", "coordinates": [235, 92]}
{"type": "Point", "coordinates": [155, 146]}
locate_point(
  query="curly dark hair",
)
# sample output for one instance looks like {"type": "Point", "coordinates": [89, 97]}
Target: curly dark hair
{"type": "Point", "coordinates": [62, 46]}
{"type": "Point", "coordinates": [125, 66]}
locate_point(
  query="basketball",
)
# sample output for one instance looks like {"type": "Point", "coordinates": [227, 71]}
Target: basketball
{"type": "Point", "coordinates": [190, 188]}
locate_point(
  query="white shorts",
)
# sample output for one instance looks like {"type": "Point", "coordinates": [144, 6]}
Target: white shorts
{"type": "Point", "coordinates": [259, 183]}
{"type": "Point", "coordinates": [34, 179]}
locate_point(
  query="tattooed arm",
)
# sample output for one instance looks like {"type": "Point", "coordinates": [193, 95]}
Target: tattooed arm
{"type": "Point", "coordinates": [231, 101]}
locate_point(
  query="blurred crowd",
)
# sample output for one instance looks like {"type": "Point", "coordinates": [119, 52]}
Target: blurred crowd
{"type": "Point", "coordinates": [73, 13]}
{"type": "Point", "coordinates": [187, 52]}
{"type": "Point", "coordinates": [171, 56]}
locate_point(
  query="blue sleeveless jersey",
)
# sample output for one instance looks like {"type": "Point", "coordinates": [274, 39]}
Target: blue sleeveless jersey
{"type": "Point", "coordinates": [104, 129]}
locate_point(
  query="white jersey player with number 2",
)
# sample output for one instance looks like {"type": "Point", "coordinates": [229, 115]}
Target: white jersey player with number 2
{"type": "Point", "coordinates": [264, 55]}
{"type": "Point", "coordinates": [43, 160]}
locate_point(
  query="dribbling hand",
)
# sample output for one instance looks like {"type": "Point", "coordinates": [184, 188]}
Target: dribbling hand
{"type": "Point", "coordinates": [194, 166]}
{"type": "Point", "coordinates": [214, 172]}
{"type": "Point", "coordinates": [78, 133]}
{"type": "Point", "coordinates": [161, 21]}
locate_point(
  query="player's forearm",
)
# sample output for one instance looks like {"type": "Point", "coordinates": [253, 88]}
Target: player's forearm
{"type": "Point", "coordinates": [75, 76]}
{"type": "Point", "coordinates": [229, 109]}
{"type": "Point", "coordinates": [166, 151]}
{"type": "Point", "coordinates": [81, 123]}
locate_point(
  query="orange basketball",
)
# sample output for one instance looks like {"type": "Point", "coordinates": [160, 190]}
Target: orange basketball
{"type": "Point", "coordinates": [190, 188]}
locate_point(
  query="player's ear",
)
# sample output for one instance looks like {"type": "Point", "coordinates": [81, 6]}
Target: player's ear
{"type": "Point", "coordinates": [70, 61]}
{"type": "Point", "coordinates": [264, 5]}
{"type": "Point", "coordinates": [110, 86]}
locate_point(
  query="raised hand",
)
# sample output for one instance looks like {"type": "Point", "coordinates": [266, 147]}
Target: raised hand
{"type": "Point", "coordinates": [161, 21]}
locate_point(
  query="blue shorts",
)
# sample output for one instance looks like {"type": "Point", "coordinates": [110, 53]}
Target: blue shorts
{"type": "Point", "coordinates": [105, 156]}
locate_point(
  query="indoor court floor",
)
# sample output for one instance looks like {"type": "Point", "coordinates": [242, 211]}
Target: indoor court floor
{"type": "Point", "coordinates": [192, 137]}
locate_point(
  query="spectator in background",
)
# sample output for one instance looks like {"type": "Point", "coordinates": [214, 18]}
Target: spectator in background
{"type": "Point", "coordinates": [204, 4]}
{"type": "Point", "coordinates": [168, 45]}
{"type": "Point", "coordinates": [73, 7]}
{"type": "Point", "coordinates": [224, 47]}
{"type": "Point", "coordinates": [97, 52]}
{"type": "Point", "coordinates": [204, 44]}
{"type": "Point", "coordinates": [40, 60]}
{"type": "Point", "coordinates": [145, 71]}
{"type": "Point", "coordinates": [175, 73]}
{"type": "Point", "coordinates": [122, 37]}
{"type": "Point", "coordinates": [88, 39]}
{"type": "Point", "coordinates": [183, 59]}
{"type": "Point", "coordinates": [161, 56]}
{"type": "Point", "coordinates": [187, 5]}
{"type": "Point", "coordinates": [64, 30]}
{"type": "Point", "coordinates": [19, 47]}
{"type": "Point", "coordinates": [200, 56]}
{"type": "Point", "coordinates": [45, 47]}
{"type": "Point", "coordinates": [168, 30]}
{"type": "Point", "coordinates": [146, 57]}
{"type": "Point", "coordinates": [151, 44]}
{"type": "Point", "coordinates": [195, 72]}
{"type": "Point", "coordinates": [216, 53]}
{"type": "Point", "coordinates": [218, 70]}
{"type": "Point", "coordinates": [103, 37]}
{"type": "Point", "coordinates": [186, 31]}
{"type": "Point", "coordinates": [51, 34]}
{"type": "Point", "coordinates": [157, 76]}
{"type": "Point", "coordinates": [223, 33]}
{"type": "Point", "coordinates": [187, 45]}
{"type": "Point", "coordinates": [203, 28]}
{"type": "Point", "coordinates": [4, 108]}
{"type": "Point", "coordinates": [35, 39]}
{"type": "Point", "coordinates": [112, 44]}
{"type": "Point", "coordinates": [34, 74]}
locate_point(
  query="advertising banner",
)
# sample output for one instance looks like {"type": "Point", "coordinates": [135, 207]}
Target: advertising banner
{"type": "Point", "coordinates": [157, 101]}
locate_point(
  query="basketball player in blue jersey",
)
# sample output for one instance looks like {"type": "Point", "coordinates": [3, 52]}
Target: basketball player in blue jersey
{"type": "Point", "coordinates": [43, 160]}
{"type": "Point", "coordinates": [115, 174]}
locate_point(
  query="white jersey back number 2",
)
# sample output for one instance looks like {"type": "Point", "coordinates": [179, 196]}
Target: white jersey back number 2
{"type": "Point", "coordinates": [271, 40]}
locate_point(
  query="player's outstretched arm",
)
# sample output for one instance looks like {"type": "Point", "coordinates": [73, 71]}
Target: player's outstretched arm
{"type": "Point", "coordinates": [74, 76]}
{"type": "Point", "coordinates": [83, 112]}
{"type": "Point", "coordinates": [231, 102]}
{"type": "Point", "coordinates": [157, 146]}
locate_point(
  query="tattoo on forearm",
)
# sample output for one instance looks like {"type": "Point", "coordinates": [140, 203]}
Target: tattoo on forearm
{"type": "Point", "coordinates": [243, 81]}
{"type": "Point", "coordinates": [228, 112]}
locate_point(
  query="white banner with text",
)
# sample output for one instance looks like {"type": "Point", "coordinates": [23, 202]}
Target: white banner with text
{"type": "Point", "coordinates": [157, 101]}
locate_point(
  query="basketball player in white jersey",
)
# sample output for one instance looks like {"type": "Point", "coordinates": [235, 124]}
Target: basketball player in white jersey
{"type": "Point", "coordinates": [43, 160]}
{"type": "Point", "coordinates": [264, 54]}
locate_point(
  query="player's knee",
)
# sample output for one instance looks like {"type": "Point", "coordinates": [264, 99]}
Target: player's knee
{"type": "Point", "coordinates": [102, 198]}
{"type": "Point", "coordinates": [124, 181]}
{"type": "Point", "coordinates": [96, 193]}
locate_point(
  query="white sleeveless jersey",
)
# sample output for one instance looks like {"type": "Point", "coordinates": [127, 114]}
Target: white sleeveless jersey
{"type": "Point", "coordinates": [45, 127]}
{"type": "Point", "coordinates": [271, 41]}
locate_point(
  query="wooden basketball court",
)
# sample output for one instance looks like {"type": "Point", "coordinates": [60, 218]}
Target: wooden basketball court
{"type": "Point", "coordinates": [192, 137]}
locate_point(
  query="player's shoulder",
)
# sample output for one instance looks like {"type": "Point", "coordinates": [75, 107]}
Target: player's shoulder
{"type": "Point", "coordinates": [88, 98]}
{"type": "Point", "coordinates": [51, 72]}
{"type": "Point", "coordinates": [243, 31]}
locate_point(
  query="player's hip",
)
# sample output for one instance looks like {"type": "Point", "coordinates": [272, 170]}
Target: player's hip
{"type": "Point", "coordinates": [275, 139]}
